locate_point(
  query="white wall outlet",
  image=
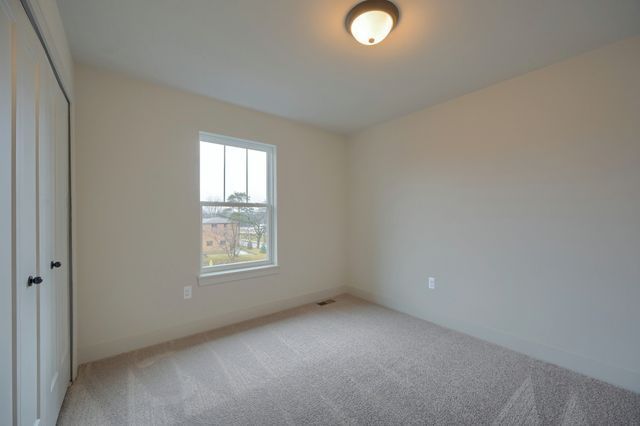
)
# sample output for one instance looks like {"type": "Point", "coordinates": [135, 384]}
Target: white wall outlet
{"type": "Point", "coordinates": [187, 292]}
{"type": "Point", "coordinates": [432, 283]}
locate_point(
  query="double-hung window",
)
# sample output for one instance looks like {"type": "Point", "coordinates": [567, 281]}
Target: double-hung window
{"type": "Point", "coordinates": [237, 204]}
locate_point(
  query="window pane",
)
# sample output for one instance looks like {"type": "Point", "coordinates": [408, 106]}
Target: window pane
{"type": "Point", "coordinates": [234, 235]}
{"type": "Point", "coordinates": [257, 176]}
{"type": "Point", "coordinates": [236, 174]}
{"type": "Point", "coordinates": [211, 171]}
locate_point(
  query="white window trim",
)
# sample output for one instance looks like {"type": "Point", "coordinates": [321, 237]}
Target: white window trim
{"type": "Point", "coordinates": [210, 275]}
{"type": "Point", "coordinates": [237, 275]}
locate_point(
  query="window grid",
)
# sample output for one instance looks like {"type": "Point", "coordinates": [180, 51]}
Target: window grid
{"type": "Point", "coordinates": [269, 206]}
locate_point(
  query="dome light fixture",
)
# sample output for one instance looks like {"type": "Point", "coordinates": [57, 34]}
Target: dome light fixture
{"type": "Point", "coordinates": [371, 21]}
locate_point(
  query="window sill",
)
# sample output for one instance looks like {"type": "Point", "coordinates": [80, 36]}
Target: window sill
{"type": "Point", "coordinates": [236, 275]}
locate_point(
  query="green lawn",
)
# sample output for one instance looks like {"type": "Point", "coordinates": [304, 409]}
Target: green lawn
{"type": "Point", "coordinates": [221, 258]}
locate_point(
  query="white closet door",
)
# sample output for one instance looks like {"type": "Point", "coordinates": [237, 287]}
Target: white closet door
{"type": "Point", "coordinates": [6, 244]}
{"type": "Point", "coordinates": [53, 246]}
{"type": "Point", "coordinates": [26, 104]}
{"type": "Point", "coordinates": [34, 132]}
{"type": "Point", "coordinates": [61, 246]}
{"type": "Point", "coordinates": [47, 308]}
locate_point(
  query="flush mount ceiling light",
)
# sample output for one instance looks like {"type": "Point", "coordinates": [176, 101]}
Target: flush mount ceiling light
{"type": "Point", "coordinates": [371, 21]}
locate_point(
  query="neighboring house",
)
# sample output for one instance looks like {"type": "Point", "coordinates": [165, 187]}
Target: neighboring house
{"type": "Point", "coordinates": [217, 232]}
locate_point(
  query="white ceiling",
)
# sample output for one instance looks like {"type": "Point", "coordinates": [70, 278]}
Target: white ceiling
{"type": "Point", "coordinates": [293, 58]}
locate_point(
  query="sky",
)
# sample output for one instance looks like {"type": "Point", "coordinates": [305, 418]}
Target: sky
{"type": "Point", "coordinates": [214, 185]}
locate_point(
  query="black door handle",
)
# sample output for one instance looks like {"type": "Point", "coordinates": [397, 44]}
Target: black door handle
{"type": "Point", "coordinates": [55, 264]}
{"type": "Point", "coordinates": [34, 280]}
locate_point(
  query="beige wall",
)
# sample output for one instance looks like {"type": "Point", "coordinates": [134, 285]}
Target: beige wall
{"type": "Point", "coordinates": [523, 200]}
{"type": "Point", "coordinates": [138, 240]}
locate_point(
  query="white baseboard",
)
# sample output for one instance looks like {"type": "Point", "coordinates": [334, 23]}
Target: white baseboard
{"type": "Point", "coordinates": [106, 349]}
{"type": "Point", "coordinates": [612, 374]}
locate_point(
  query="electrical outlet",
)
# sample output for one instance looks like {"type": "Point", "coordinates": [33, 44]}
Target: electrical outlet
{"type": "Point", "coordinates": [432, 283]}
{"type": "Point", "coordinates": [187, 292]}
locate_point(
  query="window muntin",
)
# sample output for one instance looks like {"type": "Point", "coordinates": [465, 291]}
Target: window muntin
{"type": "Point", "coordinates": [237, 193]}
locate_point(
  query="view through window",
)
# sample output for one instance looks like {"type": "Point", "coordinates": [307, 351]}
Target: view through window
{"type": "Point", "coordinates": [236, 200]}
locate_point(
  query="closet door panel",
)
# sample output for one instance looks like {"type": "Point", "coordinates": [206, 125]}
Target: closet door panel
{"type": "Point", "coordinates": [61, 243]}
{"type": "Point", "coordinates": [47, 291]}
{"type": "Point", "coordinates": [6, 243]}
{"type": "Point", "coordinates": [26, 263]}
{"type": "Point", "coordinates": [53, 247]}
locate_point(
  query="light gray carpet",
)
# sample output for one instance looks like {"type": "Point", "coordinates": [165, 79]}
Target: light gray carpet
{"type": "Point", "coordinates": [349, 362]}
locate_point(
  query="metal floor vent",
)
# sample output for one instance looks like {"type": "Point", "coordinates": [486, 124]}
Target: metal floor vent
{"type": "Point", "coordinates": [326, 302]}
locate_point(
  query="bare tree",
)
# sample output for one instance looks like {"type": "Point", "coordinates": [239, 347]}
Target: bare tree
{"type": "Point", "coordinates": [229, 238]}
{"type": "Point", "coordinates": [253, 217]}
{"type": "Point", "coordinates": [231, 242]}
